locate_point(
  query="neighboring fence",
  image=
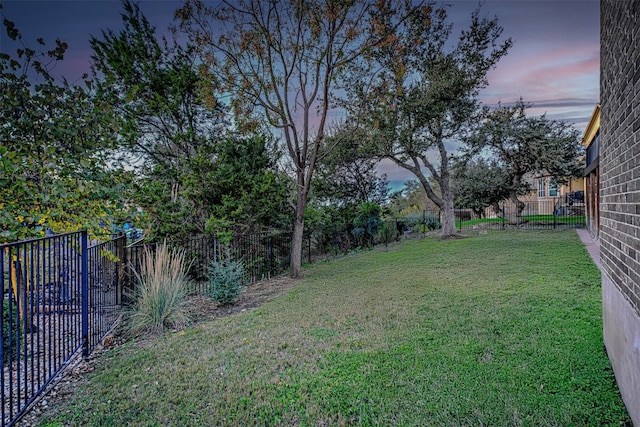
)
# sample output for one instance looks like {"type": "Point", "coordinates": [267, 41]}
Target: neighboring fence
{"type": "Point", "coordinates": [561, 212]}
{"type": "Point", "coordinates": [267, 255]}
{"type": "Point", "coordinates": [333, 240]}
{"type": "Point", "coordinates": [60, 297]}
{"type": "Point", "coordinates": [263, 255]}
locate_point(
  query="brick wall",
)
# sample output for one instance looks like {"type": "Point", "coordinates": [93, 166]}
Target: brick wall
{"type": "Point", "coordinates": [620, 145]}
{"type": "Point", "coordinates": [620, 192]}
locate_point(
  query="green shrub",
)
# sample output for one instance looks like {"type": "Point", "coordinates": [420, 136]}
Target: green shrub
{"type": "Point", "coordinates": [368, 223]}
{"type": "Point", "coordinates": [160, 296]}
{"type": "Point", "coordinates": [225, 281]}
{"type": "Point", "coordinates": [422, 222]}
{"type": "Point", "coordinates": [10, 324]}
{"type": "Point", "coordinates": [431, 222]}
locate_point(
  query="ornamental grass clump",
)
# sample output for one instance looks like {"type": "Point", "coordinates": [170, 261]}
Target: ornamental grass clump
{"type": "Point", "coordinates": [160, 298]}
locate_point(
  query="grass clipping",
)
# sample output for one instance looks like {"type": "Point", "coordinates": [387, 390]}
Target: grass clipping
{"type": "Point", "coordinates": [160, 298]}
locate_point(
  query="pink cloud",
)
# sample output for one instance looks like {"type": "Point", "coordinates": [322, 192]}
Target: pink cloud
{"type": "Point", "coordinates": [567, 72]}
{"type": "Point", "coordinates": [563, 82]}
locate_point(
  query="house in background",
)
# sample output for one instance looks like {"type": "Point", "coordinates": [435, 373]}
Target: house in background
{"type": "Point", "coordinates": [591, 142]}
{"type": "Point", "coordinates": [547, 198]}
{"type": "Point", "coordinates": [559, 199]}
{"type": "Point", "coordinates": [619, 165]}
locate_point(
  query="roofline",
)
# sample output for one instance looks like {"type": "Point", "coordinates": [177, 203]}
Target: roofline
{"type": "Point", "coordinates": [592, 128]}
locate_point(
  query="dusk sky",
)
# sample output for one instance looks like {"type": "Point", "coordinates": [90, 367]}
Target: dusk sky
{"type": "Point", "coordinates": [554, 63]}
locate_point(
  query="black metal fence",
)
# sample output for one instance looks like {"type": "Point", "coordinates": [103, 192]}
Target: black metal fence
{"type": "Point", "coordinates": [560, 212]}
{"type": "Point", "coordinates": [106, 276]}
{"type": "Point", "coordinates": [332, 240]}
{"type": "Point", "coordinates": [60, 297]}
{"type": "Point", "coordinates": [263, 256]}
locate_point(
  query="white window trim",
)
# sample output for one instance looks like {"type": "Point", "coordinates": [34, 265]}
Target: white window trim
{"type": "Point", "coordinates": [542, 188]}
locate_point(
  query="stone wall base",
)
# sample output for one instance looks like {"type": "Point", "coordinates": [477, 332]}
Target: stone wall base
{"type": "Point", "coordinates": [622, 340]}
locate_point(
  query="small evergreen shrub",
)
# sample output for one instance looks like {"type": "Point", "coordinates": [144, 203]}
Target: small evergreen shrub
{"type": "Point", "coordinates": [431, 222]}
{"type": "Point", "coordinates": [225, 281]}
{"type": "Point", "coordinates": [160, 299]}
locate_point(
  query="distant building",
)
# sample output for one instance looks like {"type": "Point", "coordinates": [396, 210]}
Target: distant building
{"type": "Point", "coordinates": [619, 142]}
{"type": "Point", "coordinates": [552, 197]}
{"type": "Point", "coordinates": [547, 198]}
{"type": "Point", "coordinates": [591, 142]}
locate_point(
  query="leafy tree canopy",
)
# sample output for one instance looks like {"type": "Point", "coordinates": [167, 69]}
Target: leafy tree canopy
{"type": "Point", "coordinates": [420, 91]}
{"type": "Point", "coordinates": [194, 174]}
{"type": "Point", "coordinates": [479, 183]}
{"type": "Point", "coordinates": [246, 191]}
{"type": "Point", "coordinates": [345, 178]}
{"type": "Point", "coordinates": [411, 200]}
{"type": "Point", "coordinates": [281, 62]}
{"type": "Point", "coordinates": [368, 222]}
{"type": "Point", "coordinates": [527, 146]}
{"type": "Point", "coordinates": [56, 166]}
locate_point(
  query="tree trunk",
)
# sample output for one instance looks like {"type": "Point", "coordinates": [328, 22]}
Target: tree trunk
{"type": "Point", "coordinates": [497, 209]}
{"type": "Point", "coordinates": [448, 216]}
{"type": "Point", "coordinates": [520, 205]}
{"type": "Point", "coordinates": [295, 266]}
{"type": "Point", "coordinates": [295, 263]}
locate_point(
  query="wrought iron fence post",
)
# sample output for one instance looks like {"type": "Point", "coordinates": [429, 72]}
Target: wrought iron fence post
{"type": "Point", "coordinates": [123, 281]}
{"type": "Point", "coordinates": [215, 249]}
{"type": "Point", "coordinates": [386, 234]}
{"type": "Point", "coordinates": [271, 272]}
{"type": "Point", "coordinates": [84, 282]}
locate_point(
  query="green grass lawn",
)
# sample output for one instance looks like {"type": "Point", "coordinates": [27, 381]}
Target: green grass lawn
{"type": "Point", "coordinates": [502, 329]}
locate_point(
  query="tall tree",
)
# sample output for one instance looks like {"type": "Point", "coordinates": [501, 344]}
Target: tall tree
{"type": "Point", "coordinates": [171, 117]}
{"type": "Point", "coordinates": [283, 59]}
{"type": "Point", "coordinates": [55, 157]}
{"type": "Point", "coordinates": [424, 95]}
{"type": "Point", "coordinates": [194, 173]}
{"type": "Point", "coordinates": [346, 178]}
{"type": "Point", "coordinates": [527, 145]}
{"type": "Point", "coordinates": [480, 183]}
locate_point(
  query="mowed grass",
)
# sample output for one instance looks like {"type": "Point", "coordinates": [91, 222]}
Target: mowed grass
{"type": "Point", "coordinates": [502, 329]}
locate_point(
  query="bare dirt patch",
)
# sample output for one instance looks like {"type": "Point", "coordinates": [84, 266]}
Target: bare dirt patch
{"type": "Point", "coordinates": [253, 296]}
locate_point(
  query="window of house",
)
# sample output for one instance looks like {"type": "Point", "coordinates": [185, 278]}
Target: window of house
{"type": "Point", "coordinates": [542, 188]}
{"type": "Point", "coordinates": [553, 189]}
